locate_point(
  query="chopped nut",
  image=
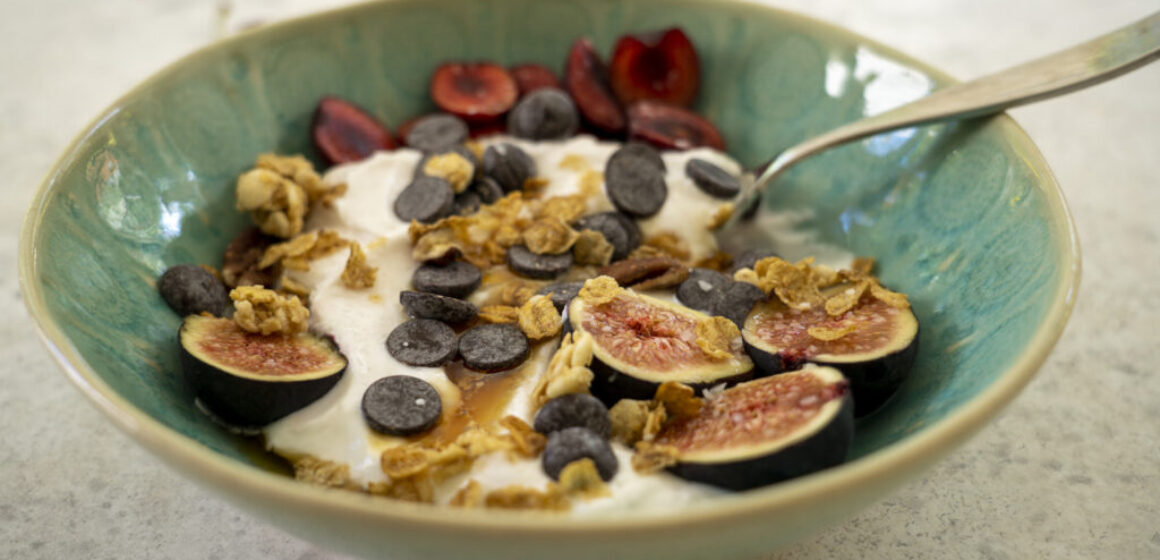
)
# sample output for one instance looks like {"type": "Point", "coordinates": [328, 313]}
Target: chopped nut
{"type": "Point", "coordinates": [599, 290]}
{"type": "Point", "coordinates": [259, 310]}
{"type": "Point", "coordinates": [591, 248]}
{"type": "Point", "coordinates": [831, 333]}
{"type": "Point", "coordinates": [580, 478]}
{"type": "Point", "coordinates": [526, 442]}
{"type": "Point", "coordinates": [647, 274]}
{"type": "Point", "coordinates": [549, 236]}
{"type": "Point", "coordinates": [469, 496]}
{"type": "Point", "coordinates": [499, 314]}
{"type": "Point", "coordinates": [721, 215]}
{"type": "Point", "coordinates": [277, 205]}
{"type": "Point", "coordinates": [452, 167]}
{"type": "Point", "coordinates": [523, 497]}
{"type": "Point", "coordinates": [358, 275]}
{"type": "Point", "coordinates": [679, 400]}
{"type": "Point", "coordinates": [650, 458]}
{"type": "Point", "coordinates": [322, 472]}
{"type": "Point", "coordinates": [533, 185]}
{"type": "Point", "coordinates": [539, 319]}
{"type": "Point", "coordinates": [567, 371]}
{"type": "Point", "coordinates": [628, 419]}
{"type": "Point", "coordinates": [716, 337]}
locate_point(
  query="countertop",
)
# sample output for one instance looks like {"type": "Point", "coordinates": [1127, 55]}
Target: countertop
{"type": "Point", "coordinates": [1070, 470]}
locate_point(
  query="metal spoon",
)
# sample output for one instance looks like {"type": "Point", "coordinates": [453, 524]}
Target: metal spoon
{"type": "Point", "coordinates": [1087, 64]}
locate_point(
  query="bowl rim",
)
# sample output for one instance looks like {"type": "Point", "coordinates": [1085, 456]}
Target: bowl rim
{"type": "Point", "coordinates": [879, 467]}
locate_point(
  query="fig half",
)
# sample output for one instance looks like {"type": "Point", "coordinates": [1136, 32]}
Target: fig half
{"type": "Point", "coordinates": [640, 342]}
{"type": "Point", "coordinates": [248, 379]}
{"type": "Point", "coordinates": [765, 431]}
{"type": "Point", "coordinates": [876, 355]}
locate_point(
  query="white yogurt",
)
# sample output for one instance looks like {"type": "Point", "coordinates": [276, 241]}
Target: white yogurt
{"type": "Point", "coordinates": [360, 320]}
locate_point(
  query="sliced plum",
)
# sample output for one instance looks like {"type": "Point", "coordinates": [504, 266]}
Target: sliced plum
{"type": "Point", "coordinates": [671, 127]}
{"type": "Point", "coordinates": [586, 79]}
{"type": "Point", "coordinates": [640, 342]}
{"type": "Point", "coordinates": [474, 91]}
{"type": "Point", "coordinates": [765, 431]}
{"type": "Point", "coordinates": [874, 344]}
{"type": "Point", "coordinates": [342, 132]}
{"type": "Point", "coordinates": [660, 65]}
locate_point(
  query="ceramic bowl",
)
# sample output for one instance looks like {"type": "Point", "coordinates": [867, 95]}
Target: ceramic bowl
{"type": "Point", "coordinates": [966, 218]}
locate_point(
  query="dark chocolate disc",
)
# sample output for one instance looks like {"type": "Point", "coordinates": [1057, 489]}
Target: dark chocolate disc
{"type": "Point", "coordinates": [734, 300]}
{"type": "Point", "coordinates": [576, 409]}
{"type": "Point", "coordinates": [524, 262]}
{"type": "Point", "coordinates": [488, 190]}
{"type": "Point", "coordinates": [457, 279]}
{"type": "Point", "coordinates": [641, 150]}
{"type": "Point", "coordinates": [697, 290]}
{"type": "Point", "coordinates": [621, 231]}
{"type": "Point", "coordinates": [452, 311]}
{"type": "Point", "coordinates": [401, 405]}
{"type": "Point", "coordinates": [434, 133]}
{"type": "Point", "coordinates": [749, 258]}
{"type": "Point", "coordinates": [190, 289]}
{"type": "Point", "coordinates": [508, 165]}
{"type": "Point", "coordinates": [425, 200]}
{"type": "Point", "coordinates": [561, 293]}
{"type": "Point", "coordinates": [466, 203]}
{"type": "Point", "coordinates": [494, 347]}
{"type": "Point", "coordinates": [544, 114]}
{"type": "Point", "coordinates": [422, 343]}
{"type": "Point", "coordinates": [712, 179]}
{"type": "Point", "coordinates": [573, 444]}
{"type": "Point", "coordinates": [634, 184]}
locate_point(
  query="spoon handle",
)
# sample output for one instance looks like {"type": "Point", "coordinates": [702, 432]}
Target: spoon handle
{"type": "Point", "coordinates": [1087, 64]}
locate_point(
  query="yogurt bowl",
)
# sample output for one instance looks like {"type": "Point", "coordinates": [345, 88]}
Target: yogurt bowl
{"type": "Point", "coordinates": [965, 218]}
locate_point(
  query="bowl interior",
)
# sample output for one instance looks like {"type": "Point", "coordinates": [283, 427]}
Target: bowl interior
{"type": "Point", "coordinates": [964, 218]}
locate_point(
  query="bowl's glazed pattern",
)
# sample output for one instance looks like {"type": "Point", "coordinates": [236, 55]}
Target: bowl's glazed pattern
{"type": "Point", "coordinates": [965, 218]}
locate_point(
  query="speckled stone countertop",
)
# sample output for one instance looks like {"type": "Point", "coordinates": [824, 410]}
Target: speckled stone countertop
{"type": "Point", "coordinates": [1070, 470]}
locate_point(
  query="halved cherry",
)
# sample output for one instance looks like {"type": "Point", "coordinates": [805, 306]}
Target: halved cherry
{"type": "Point", "coordinates": [661, 65]}
{"type": "Point", "coordinates": [479, 130]}
{"type": "Point", "coordinates": [474, 91]}
{"type": "Point", "coordinates": [670, 127]}
{"type": "Point", "coordinates": [342, 132]}
{"type": "Point", "coordinates": [586, 79]}
{"type": "Point", "coordinates": [530, 77]}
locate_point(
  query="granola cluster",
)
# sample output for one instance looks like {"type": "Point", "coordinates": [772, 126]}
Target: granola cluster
{"type": "Point", "coordinates": [266, 312]}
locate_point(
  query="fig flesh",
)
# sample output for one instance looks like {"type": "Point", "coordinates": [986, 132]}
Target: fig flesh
{"type": "Point", "coordinates": [876, 355]}
{"type": "Point", "coordinates": [252, 380]}
{"type": "Point", "coordinates": [765, 431]}
{"type": "Point", "coordinates": [641, 342]}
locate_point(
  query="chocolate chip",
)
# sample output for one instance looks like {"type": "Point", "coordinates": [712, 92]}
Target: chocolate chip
{"type": "Point", "coordinates": [508, 165]}
{"type": "Point", "coordinates": [489, 191]}
{"type": "Point", "coordinates": [422, 343]}
{"type": "Point", "coordinates": [495, 347]}
{"type": "Point", "coordinates": [541, 267]}
{"type": "Point", "coordinates": [712, 179]}
{"type": "Point", "coordinates": [641, 150]}
{"type": "Point", "coordinates": [561, 293]}
{"type": "Point", "coordinates": [441, 308]}
{"type": "Point", "coordinates": [544, 114]}
{"type": "Point", "coordinates": [190, 289]}
{"type": "Point", "coordinates": [749, 258]}
{"type": "Point", "coordinates": [697, 290]}
{"type": "Point", "coordinates": [401, 405]}
{"type": "Point", "coordinates": [434, 133]}
{"type": "Point", "coordinates": [621, 231]}
{"type": "Point", "coordinates": [574, 410]}
{"type": "Point", "coordinates": [634, 184]}
{"type": "Point", "coordinates": [457, 279]}
{"type": "Point", "coordinates": [735, 300]}
{"type": "Point", "coordinates": [466, 203]}
{"type": "Point", "coordinates": [572, 444]}
{"type": "Point", "coordinates": [426, 200]}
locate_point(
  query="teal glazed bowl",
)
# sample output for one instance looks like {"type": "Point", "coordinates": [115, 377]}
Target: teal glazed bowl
{"type": "Point", "coordinates": [965, 218]}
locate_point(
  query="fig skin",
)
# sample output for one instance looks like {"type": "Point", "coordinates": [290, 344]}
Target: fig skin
{"type": "Point", "coordinates": [873, 381]}
{"type": "Point", "coordinates": [248, 402]}
{"type": "Point", "coordinates": [610, 383]}
{"type": "Point", "coordinates": [825, 448]}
